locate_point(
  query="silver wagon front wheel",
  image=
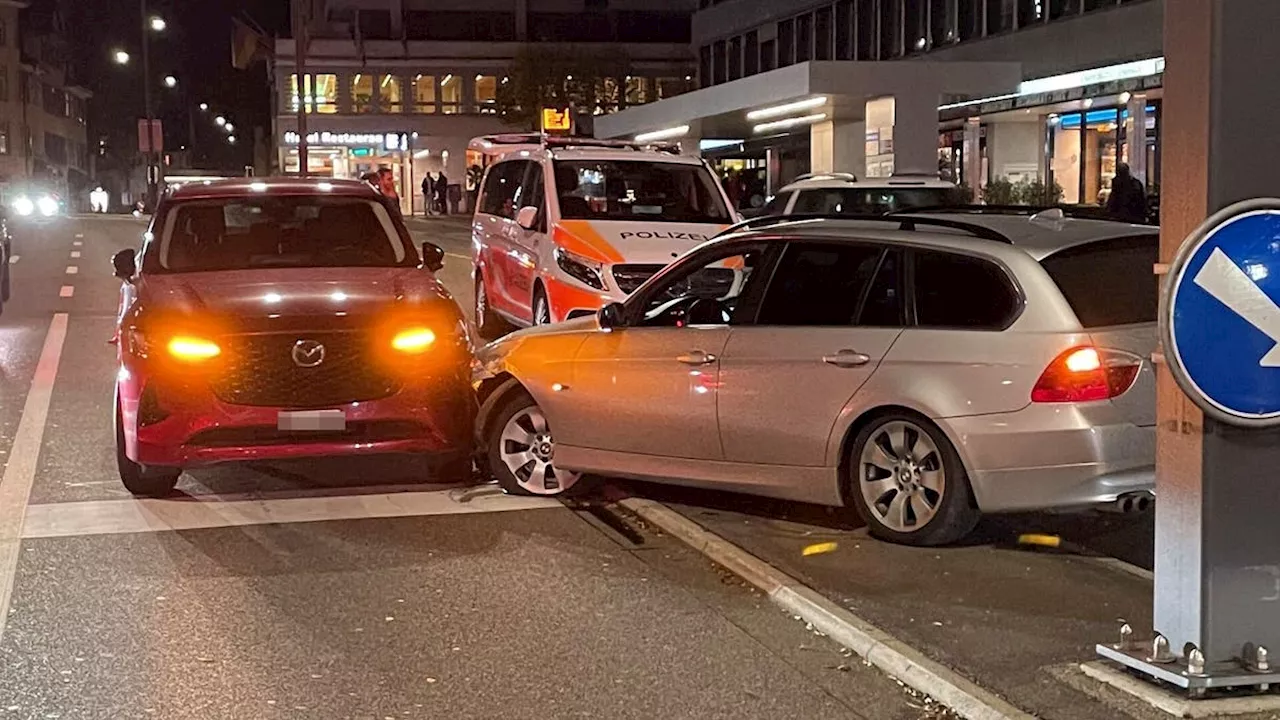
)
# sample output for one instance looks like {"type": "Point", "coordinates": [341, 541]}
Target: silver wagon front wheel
{"type": "Point", "coordinates": [522, 452]}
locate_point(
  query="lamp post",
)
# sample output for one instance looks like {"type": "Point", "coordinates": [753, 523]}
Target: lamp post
{"type": "Point", "coordinates": [149, 24]}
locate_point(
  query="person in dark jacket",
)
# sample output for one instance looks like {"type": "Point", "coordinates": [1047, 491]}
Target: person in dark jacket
{"type": "Point", "coordinates": [1128, 200]}
{"type": "Point", "coordinates": [442, 193]}
{"type": "Point", "coordinates": [428, 193]}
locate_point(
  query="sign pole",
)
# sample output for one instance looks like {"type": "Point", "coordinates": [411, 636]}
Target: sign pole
{"type": "Point", "coordinates": [302, 82]}
{"type": "Point", "coordinates": [1217, 571]}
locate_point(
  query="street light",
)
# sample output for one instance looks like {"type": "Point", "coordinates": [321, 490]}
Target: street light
{"type": "Point", "coordinates": [204, 107]}
{"type": "Point", "coordinates": [121, 57]}
{"type": "Point", "coordinates": [231, 139]}
{"type": "Point", "coordinates": [219, 121]}
{"type": "Point", "coordinates": [170, 81]}
{"type": "Point", "coordinates": [229, 127]}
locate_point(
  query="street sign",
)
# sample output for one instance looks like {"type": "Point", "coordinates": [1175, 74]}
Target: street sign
{"type": "Point", "coordinates": [156, 136]}
{"type": "Point", "coordinates": [1220, 322]}
{"type": "Point", "coordinates": [556, 120]}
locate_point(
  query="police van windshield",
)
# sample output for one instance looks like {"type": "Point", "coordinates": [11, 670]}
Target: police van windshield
{"type": "Point", "coordinates": [638, 190]}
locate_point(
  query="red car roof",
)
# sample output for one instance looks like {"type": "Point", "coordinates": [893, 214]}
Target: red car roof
{"type": "Point", "coordinates": [249, 187]}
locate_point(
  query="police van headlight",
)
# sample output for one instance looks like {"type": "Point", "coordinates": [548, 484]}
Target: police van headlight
{"type": "Point", "coordinates": [587, 272]}
{"type": "Point", "coordinates": [48, 206]}
{"type": "Point", "coordinates": [23, 205]}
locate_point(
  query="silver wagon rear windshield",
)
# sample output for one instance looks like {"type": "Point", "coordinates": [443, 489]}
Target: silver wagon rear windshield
{"type": "Point", "coordinates": [1109, 282]}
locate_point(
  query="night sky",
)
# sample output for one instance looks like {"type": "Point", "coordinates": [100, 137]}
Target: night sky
{"type": "Point", "coordinates": [195, 48]}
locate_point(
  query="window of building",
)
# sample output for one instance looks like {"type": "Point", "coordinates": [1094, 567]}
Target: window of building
{"type": "Point", "coordinates": [786, 42]}
{"type": "Point", "coordinates": [822, 34]}
{"type": "Point", "coordinates": [460, 25]}
{"type": "Point", "coordinates": [4, 138]}
{"type": "Point", "coordinates": [1091, 5]}
{"type": "Point", "coordinates": [942, 21]}
{"type": "Point", "coordinates": [320, 92]}
{"type": "Point", "coordinates": [424, 94]}
{"type": "Point", "coordinates": [390, 93]}
{"type": "Point", "coordinates": [865, 27]}
{"type": "Point", "coordinates": [768, 55]}
{"type": "Point", "coordinates": [735, 58]}
{"type": "Point", "coordinates": [1030, 12]}
{"type": "Point", "coordinates": [958, 291]}
{"type": "Point", "coordinates": [374, 24]}
{"type": "Point", "coordinates": [718, 68]}
{"type": "Point", "coordinates": [704, 65]}
{"type": "Point", "coordinates": [915, 27]}
{"type": "Point", "coordinates": [1084, 148]}
{"type": "Point", "coordinates": [751, 54]}
{"type": "Point", "coordinates": [844, 30]}
{"type": "Point", "coordinates": [635, 90]}
{"type": "Point", "coordinates": [4, 34]}
{"type": "Point", "coordinates": [969, 19]}
{"type": "Point", "coordinates": [999, 16]}
{"type": "Point", "coordinates": [4, 84]}
{"type": "Point", "coordinates": [362, 92]}
{"type": "Point", "coordinates": [55, 148]}
{"type": "Point", "coordinates": [607, 96]}
{"type": "Point", "coordinates": [663, 27]}
{"type": "Point", "coordinates": [890, 29]}
{"type": "Point", "coordinates": [804, 38]}
{"type": "Point", "coordinates": [570, 27]}
{"type": "Point", "coordinates": [487, 94]}
{"type": "Point", "coordinates": [451, 94]}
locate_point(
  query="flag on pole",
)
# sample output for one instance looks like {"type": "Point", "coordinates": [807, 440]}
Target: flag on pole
{"type": "Point", "coordinates": [248, 45]}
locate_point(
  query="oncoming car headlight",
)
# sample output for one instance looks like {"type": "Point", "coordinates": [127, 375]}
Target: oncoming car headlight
{"type": "Point", "coordinates": [587, 272]}
{"type": "Point", "coordinates": [48, 206]}
{"type": "Point", "coordinates": [23, 205]}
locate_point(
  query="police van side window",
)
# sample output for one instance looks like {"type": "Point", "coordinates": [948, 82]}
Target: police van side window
{"type": "Point", "coordinates": [502, 189]}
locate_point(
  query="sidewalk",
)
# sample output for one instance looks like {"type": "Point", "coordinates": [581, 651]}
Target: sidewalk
{"type": "Point", "coordinates": [1017, 623]}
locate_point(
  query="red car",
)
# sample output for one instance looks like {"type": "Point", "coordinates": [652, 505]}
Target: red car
{"type": "Point", "coordinates": [285, 318]}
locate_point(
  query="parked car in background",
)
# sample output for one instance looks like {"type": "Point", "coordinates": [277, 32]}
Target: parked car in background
{"type": "Point", "coordinates": [285, 318]}
{"type": "Point", "coordinates": [844, 194]}
{"type": "Point", "coordinates": [923, 369]}
{"type": "Point", "coordinates": [566, 225]}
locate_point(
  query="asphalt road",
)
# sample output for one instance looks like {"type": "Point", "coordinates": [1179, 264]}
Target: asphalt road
{"type": "Point", "coordinates": [330, 589]}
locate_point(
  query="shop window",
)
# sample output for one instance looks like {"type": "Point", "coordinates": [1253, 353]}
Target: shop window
{"type": "Point", "coordinates": [999, 16]}
{"type": "Point", "coordinates": [844, 30]}
{"type": "Point", "coordinates": [865, 24]}
{"type": "Point", "coordinates": [362, 92]}
{"type": "Point", "coordinates": [751, 54]}
{"type": "Point", "coordinates": [735, 58]}
{"type": "Point", "coordinates": [969, 19]}
{"type": "Point", "coordinates": [822, 34]}
{"type": "Point", "coordinates": [451, 94]}
{"type": "Point", "coordinates": [424, 94]}
{"type": "Point", "coordinates": [768, 55]}
{"type": "Point", "coordinates": [1063, 8]}
{"type": "Point", "coordinates": [804, 38]}
{"type": "Point", "coordinates": [1084, 149]}
{"type": "Point", "coordinates": [487, 94]}
{"type": "Point", "coordinates": [606, 96]}
{"type": "Point", "coordinates": [718, 63]}
{"type": "Point", "coordinates": [942, 21]}
{"type": "Point", "coordinates": [890, 29]}
{"type": "Point", "coordinates": [786, 43]}
{"type": "Point", "coordinates": [1030, 12]}
{"type": "Point", "coordinates": [390, 94]}
{"type": "Point", "coordinates": [635, 91]}
{"type": "Point", "coordinates": [916, 30]}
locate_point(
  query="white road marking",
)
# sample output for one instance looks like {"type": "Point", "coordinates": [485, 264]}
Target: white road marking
{"type": "Point", "coordinates": [1231, 286]}
{"type": "Point", "coordinates": [20, 473]}
{"type": "Point", "coordinates": [458, 255]}
{"type": "Point", "coordinates": [66, 291]}
{"type": "Point", "coordinates": [75, 253]}
{"type": "Point", "coordinates": [77, 243]}
{"type": "Point", "coordinates": [78, 236]}
{"type": "Point", "coordinates": [13, 259]}
{"type": "Point", "coordinates": [72, 269]}
{"type": "Point", "coordinates": [111, 517]}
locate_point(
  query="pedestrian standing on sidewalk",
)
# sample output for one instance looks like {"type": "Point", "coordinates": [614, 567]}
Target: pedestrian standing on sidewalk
{"type": "Point", "coordinates": [428, 193]}
{"type": "Point", "coordinates": [442, 192]}
{"type": "Point", "coordinates": [1128, 200]}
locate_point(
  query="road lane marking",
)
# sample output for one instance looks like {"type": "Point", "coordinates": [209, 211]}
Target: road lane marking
{"type": "Point", "coordinates": [24, 456]}
{"type": "Point", "coordinates": [66, 291]}
{"type": "Point", "coordinates": [113, 517]}
{"type": "Point", "coordinates": [458, 255]}
{"type": "Point", "coordinates": [72, 269]}
{"type": "Point", "coordinates": [13, 259]}
{"type": "Point", "coordinates": [77, 243]}
{"type": "Point", "coordinates": [78, 236]}
{"type": "Point", "coordinates": [75, 253]}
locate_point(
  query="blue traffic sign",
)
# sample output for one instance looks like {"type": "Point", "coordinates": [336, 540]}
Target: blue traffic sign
{"type": "Point", "coordinates": [1221, 323]}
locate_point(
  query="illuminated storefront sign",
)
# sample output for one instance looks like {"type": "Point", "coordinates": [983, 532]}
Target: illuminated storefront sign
{"type": "Point", "coordinates": [384, 141]}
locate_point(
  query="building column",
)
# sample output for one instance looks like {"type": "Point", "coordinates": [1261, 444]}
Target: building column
{"type": "Point", "coordinates": [915, 133]}
{"type": "Point", "coordinates": [522, 20]}
{"type": "Point", "coordinates": [973, 156]}
{"type": "Point", "coordinates": [838, 147]}
{"type": "Point", "coordinates": [1135, 132]}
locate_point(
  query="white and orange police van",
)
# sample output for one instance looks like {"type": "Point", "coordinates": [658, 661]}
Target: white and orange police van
{"type": "Point", "coordinates": [564, 226]}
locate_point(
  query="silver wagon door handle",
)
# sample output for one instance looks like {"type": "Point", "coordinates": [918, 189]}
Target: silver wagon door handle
{"type": "Point", "coordinates": [696, 357]}
{"type": "Point", "coordinates": [847, 359]}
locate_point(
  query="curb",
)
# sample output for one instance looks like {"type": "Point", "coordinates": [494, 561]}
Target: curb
{"type": "Point", "coordinates": [871, 643]}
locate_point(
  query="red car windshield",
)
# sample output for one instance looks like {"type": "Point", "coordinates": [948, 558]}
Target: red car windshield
{"type": "Point", "coordinates": [281, 232]}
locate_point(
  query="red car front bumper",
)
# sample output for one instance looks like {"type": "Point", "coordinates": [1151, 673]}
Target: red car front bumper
{"type": "Point", "coordinates": [182, 423]}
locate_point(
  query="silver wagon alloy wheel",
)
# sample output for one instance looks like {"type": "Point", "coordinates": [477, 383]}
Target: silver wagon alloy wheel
{"type": "Point", "coordinates": [528, 451]}
{"type": "Point", "coordinates": [901, 476]}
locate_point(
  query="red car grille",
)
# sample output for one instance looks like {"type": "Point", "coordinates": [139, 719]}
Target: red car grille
{"type": "Point", "coordinates": [260, 370]}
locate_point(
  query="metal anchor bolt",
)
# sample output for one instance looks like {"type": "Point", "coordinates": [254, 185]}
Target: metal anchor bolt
{"type": "Point", "coordinates": [1126, 637]}
{"type": "Point", "coordinates": [1160, 652]}
{"type": "Point", "coordinates": [1195, 662]}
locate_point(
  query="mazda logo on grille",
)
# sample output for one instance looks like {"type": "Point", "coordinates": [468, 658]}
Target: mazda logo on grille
{"type": "Point", "coordinates": [307, 353]}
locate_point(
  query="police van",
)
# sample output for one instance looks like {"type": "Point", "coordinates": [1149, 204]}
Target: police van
{"type": "Point", "coordinates": [564, 226]}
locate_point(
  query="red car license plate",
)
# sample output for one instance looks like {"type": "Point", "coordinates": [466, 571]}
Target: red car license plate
{"type": "Point", "coordinates": [311, 420]}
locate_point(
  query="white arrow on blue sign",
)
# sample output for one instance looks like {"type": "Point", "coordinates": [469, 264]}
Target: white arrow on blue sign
{"type": "Point", "coordinates": [1221, 321]}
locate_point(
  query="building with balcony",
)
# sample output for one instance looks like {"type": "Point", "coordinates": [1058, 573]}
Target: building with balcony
{"type": "Point", "coordinates": [406, 84]}
{"type": "Point", "coordinates": [979, 90]}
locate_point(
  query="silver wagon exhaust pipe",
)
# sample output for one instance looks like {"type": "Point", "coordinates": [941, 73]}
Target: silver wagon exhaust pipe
{"type": "Point", "coordinates": [1131, 503]}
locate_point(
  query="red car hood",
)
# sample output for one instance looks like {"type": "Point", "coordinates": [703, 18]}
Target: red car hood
{"type": "Point", "coordinates": [282, 299]}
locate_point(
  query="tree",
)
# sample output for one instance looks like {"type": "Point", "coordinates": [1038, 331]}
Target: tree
{"type": "Point", "coordinates": [560, 77]}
